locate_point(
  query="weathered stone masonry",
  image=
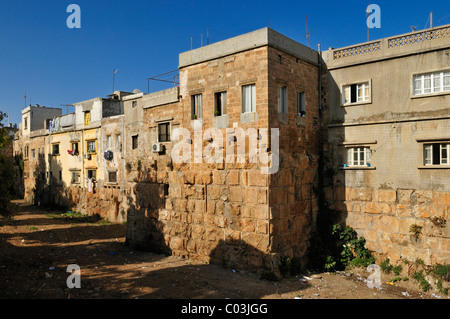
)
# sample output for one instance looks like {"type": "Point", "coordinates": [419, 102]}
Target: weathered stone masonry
{"type": "Point", "coordinates": [232, 214]}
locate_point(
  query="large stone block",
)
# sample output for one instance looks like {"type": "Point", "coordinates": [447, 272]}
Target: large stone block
{"type": "Point", "coordinates": [255, 178]}
{"type": "Point", "coordinates": [385, 195]}
{"type": "Point", "coordinates": [440, 198]}
{"type": "Point", "coordinates": [360, 194]}
{"type": "Point", "coordinates": [404, 195]}
{"type": "Point", "coordinates": [237, 194]}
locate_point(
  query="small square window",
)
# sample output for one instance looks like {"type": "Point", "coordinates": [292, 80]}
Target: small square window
{"type": "Point", "coordinates": [249, 98]}
{"type": "Point", "coordinates": [431, 82]}
{"type": "Point", "coordinates": [282, 98]}
{"type": "Point", "coordinates": [75, 150]}
{"type": "Point", "coordinates": [55, 149]}
{"type": "Point", "coordinates": [87, 118]}
{"type": "Point", "coordinates": [92, 174]}
{"type": "Point", "coordinates": [220, 103]}
{"type": "Point", "coordinates": [108, 142]}
{"type": "Point", "coordinates": [134, 142]}
{"type": "Point", "coordinates": [75, 177]}
{"type": "Point", "coordinates": [301, 108]}
{"type": "Point", "coordinates": [164, 132]}
{"type": "Point", "coordinates": [356, 93]}
{"type": "Point", "coordinates": [91, 147]}
{"type": "Point", "coordinates": [436, 154]}
{"type": "Point", "coordinates": [196, 106]}
{"type": "Point", "coordinates": [358, 156]}
{"type": "Point", "coordinates": [112, 177]}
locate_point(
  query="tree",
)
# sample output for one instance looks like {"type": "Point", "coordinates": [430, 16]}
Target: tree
{"type": "Point", "coordinates": [7, 172]}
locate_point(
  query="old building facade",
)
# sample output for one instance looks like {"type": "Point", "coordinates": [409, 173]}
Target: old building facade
{"type": "Point", "coordinates": [229, 165]}
{"type": "Point", "coordinates": [388, 142]}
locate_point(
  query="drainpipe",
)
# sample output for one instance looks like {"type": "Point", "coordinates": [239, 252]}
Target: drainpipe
{"type": "Point", "coordinates": [320, 150]}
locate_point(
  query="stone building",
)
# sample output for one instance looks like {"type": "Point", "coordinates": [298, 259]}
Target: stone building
{"type": "Point", "coordinates": [227, 211]}
{"type": "Point", "coordinates": [262, 134]}
{"type": "Point", "coordinates": [388, 142]}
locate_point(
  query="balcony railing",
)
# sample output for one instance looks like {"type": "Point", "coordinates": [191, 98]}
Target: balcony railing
{"type": "Point", "coordinates": [392, 43]}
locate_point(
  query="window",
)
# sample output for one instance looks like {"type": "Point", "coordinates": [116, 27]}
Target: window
{"type": "Point", "coordinates": [301, 109]}
{"type": "Point", "coordinates": [358, 156]}
{"type": "Point", "coordinates": [75, 148]}
{"type": "Point", "coordinates": [134, 104]}
{"type": "Point", "coordinates": [33, 153]}
{"type": "Point", "coordinates": [25, 152]}
{"type": "Point", "coordinates": [25, 123]}
{"type": "Point", "coordinates": [87, 118]}
{"type": "Point", "coordinates": [60, 175]}
{"type": "Point", "coordinates": [134, 142]}
{"type": "Point", "coordinates": [248, 98]}
{"type": "Point", "coordinates": [91, 147]}
{"type": "Point", "coordinates": [431, 82]}
{"type": "Point", "coordinates": [282, 99]}
{"type": "Point", "coordinates": [119, 142]}
{"type": "Point", "coordinates": [112, 177]}
{"type": "Point", "coordinates": [55, 149]}
{"type": "Point", "coordinates": [164, 132]}
{"type": "Point", "coordinates": [356, 93]}
{"type": "Point", "coordinates": [196, 106]}
{"type": "Point", "coordinates": [92, 173]}
{"type": "Point", "coordinates": [220, 103]}
{"type": "Point", "coordinates": [108, 142]}
{"type": "Point", "coordinates": [75, 177]}
{"type": "Point", "coordinates": [436, 154]}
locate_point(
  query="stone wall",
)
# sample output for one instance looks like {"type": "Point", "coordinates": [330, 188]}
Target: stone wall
{"type": "Point", "coordinates": [384, 218]}
{"type": "Point", "coordinates": [293, 189]}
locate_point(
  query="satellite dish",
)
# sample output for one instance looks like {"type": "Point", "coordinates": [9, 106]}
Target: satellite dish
{"type": "Point", "coordinates": [137, 91]}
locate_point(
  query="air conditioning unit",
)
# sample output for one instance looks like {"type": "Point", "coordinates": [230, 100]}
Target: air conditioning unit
{"type": "Point", "coordinates": [157, 147]}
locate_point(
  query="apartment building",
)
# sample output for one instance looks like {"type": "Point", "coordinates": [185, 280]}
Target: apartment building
{"type": "Point", "coordinates": [388, 142]}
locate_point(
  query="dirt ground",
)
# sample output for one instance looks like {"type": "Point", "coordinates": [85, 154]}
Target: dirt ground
{"type": "Point", "coordinates": [36, 249]}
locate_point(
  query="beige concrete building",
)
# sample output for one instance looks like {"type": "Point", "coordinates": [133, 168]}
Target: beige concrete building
{"type": "Point", "coordinates": [389, 139]}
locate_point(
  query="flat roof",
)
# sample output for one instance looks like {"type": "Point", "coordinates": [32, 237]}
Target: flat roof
{"type": "Point", "coordinates": [248, 41]}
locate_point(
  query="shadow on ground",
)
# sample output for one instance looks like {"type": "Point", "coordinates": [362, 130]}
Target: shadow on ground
{"type": "Point", "coordinates": [37, 249]}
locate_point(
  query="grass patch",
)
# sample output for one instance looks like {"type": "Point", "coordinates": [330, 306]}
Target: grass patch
{"type": "Point", "coordinates": [77, 217]}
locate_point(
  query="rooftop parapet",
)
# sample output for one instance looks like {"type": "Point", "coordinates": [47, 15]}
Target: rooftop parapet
{"type": "Point", "coordinates": [248, 41]}
{"type": "Point", "coordinates": [386, 48]}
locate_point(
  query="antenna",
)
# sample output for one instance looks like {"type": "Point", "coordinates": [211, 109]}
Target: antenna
{"type": "Point", "coordinates": [67, 107]}
{"type": "Point", "coordinates": [114, 74]}
{"type": "Point", "coordinates": [367, 15]}
{"type": "Point", "coordinates": [207, 36]}
{"type": "Point", "coordinates": [307, 32]}
{"type": "Point", "coordinates": [25, 97]}
{"type": "Point", "coordinates": [413, 28]}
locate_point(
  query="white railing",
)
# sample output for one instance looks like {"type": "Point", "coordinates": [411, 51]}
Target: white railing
{"type": "Point", "coordinates": [418, 37]}
{"type": "Point", "coordinates": [357, 50]}
{"type": "Point", "coordinates": [394, 42]}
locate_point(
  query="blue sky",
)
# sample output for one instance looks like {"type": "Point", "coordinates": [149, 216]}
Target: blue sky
{"type": "Point", "coordinates": [56, 65]}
